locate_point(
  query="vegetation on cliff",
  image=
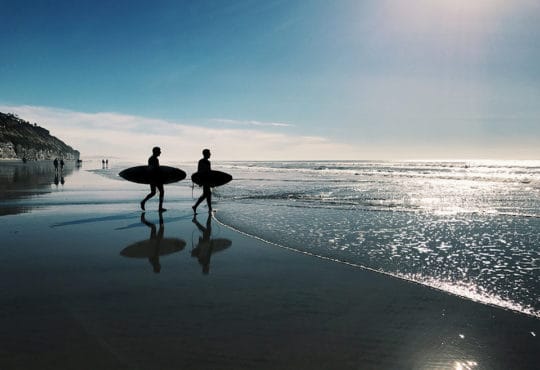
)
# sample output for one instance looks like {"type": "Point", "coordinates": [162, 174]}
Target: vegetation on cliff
{"type": "Point", "coordinates": [23, 140]}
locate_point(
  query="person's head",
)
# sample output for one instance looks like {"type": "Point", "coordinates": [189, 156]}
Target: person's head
{"type": "Point", "coordinates": [206, 153]}
{"type": "Point", "coordinates": [156, 151]}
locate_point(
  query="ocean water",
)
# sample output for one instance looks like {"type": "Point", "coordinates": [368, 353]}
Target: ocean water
{"type": "Point", "coordinates": [470, 228]}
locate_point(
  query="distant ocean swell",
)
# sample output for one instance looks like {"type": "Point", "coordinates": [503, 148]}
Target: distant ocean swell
{"type": "Point", "coordinates": [476, 235]}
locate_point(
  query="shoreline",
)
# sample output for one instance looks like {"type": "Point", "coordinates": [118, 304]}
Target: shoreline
{"type": "Point", "coordinates": [525, 312]}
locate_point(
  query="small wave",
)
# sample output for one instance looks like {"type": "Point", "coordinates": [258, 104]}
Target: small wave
{"type": "Point", "coordinates": [379, 204]}
{"type": "Point", "coordinates": [519, 172]}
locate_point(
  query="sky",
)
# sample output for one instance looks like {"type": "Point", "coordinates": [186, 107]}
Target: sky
{"type": "Point", "coordinates": [283, 79]}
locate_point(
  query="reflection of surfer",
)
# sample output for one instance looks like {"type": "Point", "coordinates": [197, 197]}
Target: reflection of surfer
{"type": "Point", "coordinates": [153, 165]}
{"type": "Point", "coordinates": [204, 167]}
{"type": "Point", "coordinates": [153, 248]}
{"type": "Point", "coordinates": [156, 237]}
{"type": "Point", "coordinates": [207, 246]}
{"type": "Point", "coordinates": [203, 250]}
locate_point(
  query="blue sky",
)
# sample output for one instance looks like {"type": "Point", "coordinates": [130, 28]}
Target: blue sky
{"type": "Point", "coordinates": [325, 79]}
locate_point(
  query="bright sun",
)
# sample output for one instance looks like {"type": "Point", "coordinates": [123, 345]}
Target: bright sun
{"type": "Point", "coordinates": [424, 16]}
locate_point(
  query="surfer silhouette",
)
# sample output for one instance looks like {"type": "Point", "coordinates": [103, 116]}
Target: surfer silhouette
{"type": "Point", "coordinates": [204, 167]}
{"type": "Point", "coordinates": [153, 165]}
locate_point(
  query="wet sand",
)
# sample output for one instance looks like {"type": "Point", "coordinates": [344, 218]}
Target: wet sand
{"type": "Point", "coordinates": [72, 300]}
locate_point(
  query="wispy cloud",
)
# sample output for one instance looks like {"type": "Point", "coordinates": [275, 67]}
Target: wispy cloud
{"type": "Point", "coordinates": [128, 136]}
{"type": "Point", "coordinates": [250, 123]}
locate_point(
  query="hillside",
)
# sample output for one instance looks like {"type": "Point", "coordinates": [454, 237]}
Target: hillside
{"type": "Point", "coordinates": [20, 139]}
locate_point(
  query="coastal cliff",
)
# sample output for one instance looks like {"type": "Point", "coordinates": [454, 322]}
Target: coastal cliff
{"type": "Point", "coordinates": [20, 139]}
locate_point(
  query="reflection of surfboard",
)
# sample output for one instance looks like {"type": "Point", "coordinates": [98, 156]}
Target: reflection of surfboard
{"type": "Point", "coordinates": [212, 178]}
{"type": "Point", "coordinates": [144, 175]}
{"type": "Point", "coordinates": [147, 248]}
{"type": "Point", "coordinates": [220, 244]}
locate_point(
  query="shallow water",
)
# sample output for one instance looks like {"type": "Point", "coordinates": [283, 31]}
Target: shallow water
{"type": "Point", "coordinates": [470, 228]}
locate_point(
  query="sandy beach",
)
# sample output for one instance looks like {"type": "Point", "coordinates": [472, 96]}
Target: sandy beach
{"type": "Point", "coordinates": [75, 297]}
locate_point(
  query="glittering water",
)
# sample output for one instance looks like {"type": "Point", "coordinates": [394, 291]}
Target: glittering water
{"type": "Point", "coordinates": [470, 228]}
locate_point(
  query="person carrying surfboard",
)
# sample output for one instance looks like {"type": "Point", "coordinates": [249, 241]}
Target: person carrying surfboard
{"type": "Point", "coordinates": [204, 167]}
{"type": "Point", "coordinates": [153, 165]}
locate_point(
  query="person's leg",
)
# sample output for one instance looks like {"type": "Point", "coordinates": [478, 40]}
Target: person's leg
{"type": "Point", "coordinates": [150, 195]}
{"type": "Point", "coordinates": [208, 195]}
{"type": "Point", "coordinates": [201, 198]}
{"type": "Point", "coordinates": [161, 196]}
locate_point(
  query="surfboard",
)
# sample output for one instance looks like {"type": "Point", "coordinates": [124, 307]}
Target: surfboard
{"type": "Point", "coordinates": [147, 248]}
{"type": "Point", "coordinates": [144, 175]}
{"type": "Point", "coordinates": [212, 178]}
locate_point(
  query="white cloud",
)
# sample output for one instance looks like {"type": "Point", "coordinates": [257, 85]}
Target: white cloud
{"type": "Point", "coordinates": [127, 136]}
{"type": "Point", "coordinates": [250, 123]}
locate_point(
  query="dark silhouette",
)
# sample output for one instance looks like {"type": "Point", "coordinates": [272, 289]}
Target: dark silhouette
{"type": "Point", "coordinates": [157, 238]}
{"type": "Point", "coordinates": [153, 165]}
{"type": "Point", "coordinates": [61, 164]}
{"type": "Point", "coordinates": [206, 245]}
{"type": "Point", "coordinates": [56, 179]}
{"type": "Point", "coordinates": [106, 163]}
{"type": "Point", "coordinates": [203, 168]}
{"type": "Point", "coordinates": [157, 245]}
{"type": "Point", "coordinates": [55, 162]}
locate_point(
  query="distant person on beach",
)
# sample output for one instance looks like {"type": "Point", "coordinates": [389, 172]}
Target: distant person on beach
{"type": "Point", "coordinates": [204, 167]}
{"type": "Point", "coordinates": [55, 162]}
{"type": "Point", "coordinates": [153, 165]}
{"type": "Point", "coordinates": [102, 164]}
{"type": "Point", "coordinates": [61, 164]}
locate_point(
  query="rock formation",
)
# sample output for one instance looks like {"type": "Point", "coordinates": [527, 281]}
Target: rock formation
{"type": "Point", "coordinates": [20, 139]}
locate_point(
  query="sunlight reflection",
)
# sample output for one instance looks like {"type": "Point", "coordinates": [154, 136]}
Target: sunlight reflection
{"type": "Point", "coordinates": [465, 365]}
